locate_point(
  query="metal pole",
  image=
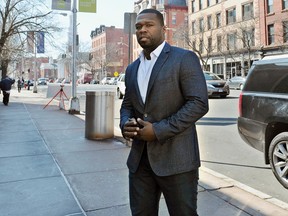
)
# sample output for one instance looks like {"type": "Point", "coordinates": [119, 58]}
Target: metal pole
{"type": "Point", "coordinates": [74, 101]}
{"type": "Point", "coordinates": [129, 40]}
{"type": "Point", "coordinates": [34, 67]}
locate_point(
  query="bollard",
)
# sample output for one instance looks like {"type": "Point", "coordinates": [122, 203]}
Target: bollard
{"type": "Point", "coordinates": [99, 115]}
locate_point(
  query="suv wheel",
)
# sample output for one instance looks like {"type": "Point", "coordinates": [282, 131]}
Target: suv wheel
{"type": "Point", "coordinates": [278, 157]}
{"type": "Point", "coordinates": [119, 94]}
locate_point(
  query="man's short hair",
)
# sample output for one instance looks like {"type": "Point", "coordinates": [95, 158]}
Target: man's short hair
{"type": "Point", "coordinates": [158, 14]}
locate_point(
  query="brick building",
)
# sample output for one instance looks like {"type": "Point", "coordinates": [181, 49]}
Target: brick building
{"type": "Point", "coordinates": [175, 14]}
{"type": "Point", "coordinates": [109, 53]}
{"type": "Point", "coordinates": [229, 35]}
{"type": "Point", "coordinates": [25, 68]}
{"type": "Point", "coordinates": [273, 26]}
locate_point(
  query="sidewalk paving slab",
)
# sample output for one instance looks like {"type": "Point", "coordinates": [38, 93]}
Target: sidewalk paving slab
{"type": "Point", "coordinates": [49, 168]}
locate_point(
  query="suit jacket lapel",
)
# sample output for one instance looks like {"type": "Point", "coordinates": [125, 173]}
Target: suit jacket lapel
{"type": "Point", "coordinates": [135, 81]}
{"type": "Point", "coordinates": [157, 67]}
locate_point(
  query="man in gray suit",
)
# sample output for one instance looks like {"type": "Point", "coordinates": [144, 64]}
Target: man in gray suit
{"type": "Point", "coordinates": [165, 95]}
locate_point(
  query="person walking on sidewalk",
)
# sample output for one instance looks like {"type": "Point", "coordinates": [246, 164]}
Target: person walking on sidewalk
{"type": "Point", "coordinates": [165, 95]}
{"type": "Point", "coordinates": [5, 85]}
{"type": "Point", "coordinates": [19, 85]}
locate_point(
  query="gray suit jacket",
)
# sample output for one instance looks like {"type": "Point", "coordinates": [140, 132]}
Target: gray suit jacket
{"type": "Point", "coordinates": [176, 99]}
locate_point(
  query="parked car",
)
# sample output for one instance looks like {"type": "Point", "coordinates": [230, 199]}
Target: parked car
{"type": "Point", "coordinates": [113, 81]}
{"type": "Point", "coordinates": [263, 113]}
{"type": "Point", "coordinates": [237, 82]}
{"type": "Point", "coordinates": [216, 86]}
{"type": "Point", "coordinates": [94, 81]}
{"type": "Point", "coordinates": [42, 81]}
{"type": "Point", "coordinates": [121, 86]}
{"type": "Point", "coordinates": [105, 81]}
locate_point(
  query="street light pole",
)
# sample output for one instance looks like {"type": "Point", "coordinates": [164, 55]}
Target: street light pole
{"type": "Point", "coordinates": [74, 101]}
{"type": "Point", "coordinates": [35, 66]}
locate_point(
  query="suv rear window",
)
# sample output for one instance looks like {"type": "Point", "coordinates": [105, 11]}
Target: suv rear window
{"type": "Point", "coordinates": [268, 78]}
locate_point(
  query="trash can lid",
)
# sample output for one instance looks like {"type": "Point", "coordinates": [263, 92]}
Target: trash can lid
{"type": "Point", "coordinates": [100, 93]}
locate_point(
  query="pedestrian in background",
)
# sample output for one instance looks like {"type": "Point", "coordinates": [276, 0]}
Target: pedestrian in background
{"type": "Point", "coordinates": [28, 85]}
{"type": "Point", "coordinates": [19, 84]}
{"type": "Point", "coordinates": [165, 95]}
{"type": "Point", "coordinates": [5, 85]}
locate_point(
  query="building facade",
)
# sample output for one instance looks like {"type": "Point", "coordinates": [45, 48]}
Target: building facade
{"type": "Point", "coordinates": [175, 14]}
{"type": "Point", "coordinates": [109, 53]}
{"type": "Point", "coordinates": [229, 35]}
{"type": "Point", "coordinates": [25, 68]}
{"type": "Point", "coordinates": [273, 26]}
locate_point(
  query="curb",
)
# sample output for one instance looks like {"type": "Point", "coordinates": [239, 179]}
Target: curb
{"type": "Point", "coordinates": [248, 189]}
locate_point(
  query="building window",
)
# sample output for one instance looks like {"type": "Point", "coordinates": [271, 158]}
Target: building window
{"type": "Point", "coordinates": [231, 41]}
{"type": "Point", "coordinates": [285, 31]}
{"type": "Point", "coordinates": [218, 20]}
{"type": "Point", "coordinates": [271, 34]}
{"type": "Point", "coordinates": [219, 43]}
{"type": "Point", "coordinates": [231, 16]}
{"type": "Point", "coordinates": [174, 18]}
{"type": "Point", "coordinates": [270, 6]}
{"type": "Point", "coordinates": [200, 4]}
{"type": "Point", "coordinates": [208, 3]}
{"type": "Point", "coordinates": [248, 38]}
{"type": "Point", "coordinates": [209, 44]}
{"type": "Point", "coordinates": [209, 22]}
{"type": "Point", "coordinates": [201, 25]}
{"type": "Point", "coordinates": [217, 1]}
{"type": "Point", "coordinates": [193, 27]}
{"type": "Point", "coordinates": [193, 6]}
{"type": "Point", "coordinates": [186, 20]}
{"type": "Point", "coordinates": [284, 4]}
{"type": "Point", "coordinates": [247, 11]}
{"type": "Point", "coordinates": [201, 46]}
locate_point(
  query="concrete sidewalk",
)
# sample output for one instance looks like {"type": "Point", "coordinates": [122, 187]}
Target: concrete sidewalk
{"type": "Point", "coordinates": [48, 168]}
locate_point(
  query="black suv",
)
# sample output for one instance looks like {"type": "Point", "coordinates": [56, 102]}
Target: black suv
{"type": "Point", "coordinates": [263, 112]}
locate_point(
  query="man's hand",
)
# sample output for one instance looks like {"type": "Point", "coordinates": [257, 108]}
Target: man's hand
{"type": "Point", "coordinates": [130, 129]}
{"type": "Point", "coordinates": [146, 132]}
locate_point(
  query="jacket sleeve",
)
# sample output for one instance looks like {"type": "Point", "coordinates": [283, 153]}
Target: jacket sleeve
{"type": "Point", "coordinates": [194, 92]}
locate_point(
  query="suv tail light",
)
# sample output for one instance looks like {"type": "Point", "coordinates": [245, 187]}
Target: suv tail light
{"type": "Point", "coordinates": [240, 104]}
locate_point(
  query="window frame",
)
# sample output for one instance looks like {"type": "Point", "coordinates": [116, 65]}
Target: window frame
{"type": "Point", "coordinates": [249, 14]}
{"type": "Point", "coordinates": [201, 45]}
{"type": "Point", "coordinates": [208, 3]}
{"type": "Point", "coordinates": [218, 20]}
{"type": "Point", "coordinates": [231, 45]}
{"type": "Point", "coordinates": [193, 25]}
{"type": "Point", "coordinates": [230, 19]}
{"type": "Point", "coordinates": [174, 18]}
{"type": "Point", "coordinates": [270, 8]}
{"type": "Point", "coordinates": [201, 25]}
{"type": "Point", "coordinates": [219, 43]}
{"type": "Point", "coordinates": [209, 22]}
{"type": "Point", "coordinates": [200, 5]}
{"type": "Point", "coordinates": [250, 35]}
{"type": "Point", "coordinates": [193, 8]}
{"type": "Point", "coordinates": [271, 34]}
{"type": "Point", "coordinates": [284, 4]}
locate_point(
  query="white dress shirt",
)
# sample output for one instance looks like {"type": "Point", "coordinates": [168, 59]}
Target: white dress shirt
{"type": "Point", "coordinates": [145, 69]}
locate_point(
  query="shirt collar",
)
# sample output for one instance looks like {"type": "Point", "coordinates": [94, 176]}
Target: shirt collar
{"type": "Point", "coordinates": [155, 52]}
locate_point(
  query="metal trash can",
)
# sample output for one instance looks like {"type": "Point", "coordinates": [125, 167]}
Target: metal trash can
{"type": "Point", "coordinates": [99, 115]}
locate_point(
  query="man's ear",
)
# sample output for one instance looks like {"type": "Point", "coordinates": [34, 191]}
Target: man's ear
{"type": "Point", "coordinates": [164, 28]}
